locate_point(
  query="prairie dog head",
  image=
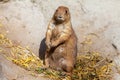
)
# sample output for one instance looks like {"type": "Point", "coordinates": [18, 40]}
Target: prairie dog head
{"type": "Point", "coordinates": [61, 14]}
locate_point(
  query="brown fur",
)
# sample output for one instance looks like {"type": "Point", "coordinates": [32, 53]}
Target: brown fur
{"type": "Point", "coordinates": [61, 42]}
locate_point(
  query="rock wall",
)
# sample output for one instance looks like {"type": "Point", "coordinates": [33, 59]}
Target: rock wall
{"type": "Point", "coordinates": [25, 22]}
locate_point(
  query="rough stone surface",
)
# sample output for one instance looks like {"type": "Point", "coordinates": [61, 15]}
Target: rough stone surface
{"type": "Point", "coordinates": [23, 22]}
{"type": "Point", "coordinates": [10, 71]}
{"type": "Point", "coordinates": [26, 21]}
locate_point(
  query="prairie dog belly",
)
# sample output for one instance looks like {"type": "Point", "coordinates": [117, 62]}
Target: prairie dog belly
{"type": "Point", "coordinates": [58, 57]}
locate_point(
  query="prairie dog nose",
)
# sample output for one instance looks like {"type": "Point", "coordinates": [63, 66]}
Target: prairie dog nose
{"type": "Point", "coordinates": [59, 17]}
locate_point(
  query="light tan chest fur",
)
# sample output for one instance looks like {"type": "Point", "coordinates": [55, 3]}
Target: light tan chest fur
{"type": "Point", "coordinates": [57, 30]}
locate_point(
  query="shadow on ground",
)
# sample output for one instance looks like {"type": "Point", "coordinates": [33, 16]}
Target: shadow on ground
{"type": "Point", "coordinates": [42, 49]}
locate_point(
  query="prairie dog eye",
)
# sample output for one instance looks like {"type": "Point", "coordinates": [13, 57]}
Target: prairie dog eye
{"type": "Point", "coordinates": [66, 11]}
{"type": "Point", "coordinates": [56, 10]}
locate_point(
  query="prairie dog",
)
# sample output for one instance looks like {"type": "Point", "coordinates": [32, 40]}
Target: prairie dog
{"type": "Point", "coordinates": [61, 42]}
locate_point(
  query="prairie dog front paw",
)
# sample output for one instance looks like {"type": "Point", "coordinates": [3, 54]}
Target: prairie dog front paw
{"type": "Point", "coordinates": [48, 44]}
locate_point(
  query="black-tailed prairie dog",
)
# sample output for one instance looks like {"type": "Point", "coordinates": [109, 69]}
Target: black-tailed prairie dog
{"type": "Point", "coordinates": [61, 42]}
